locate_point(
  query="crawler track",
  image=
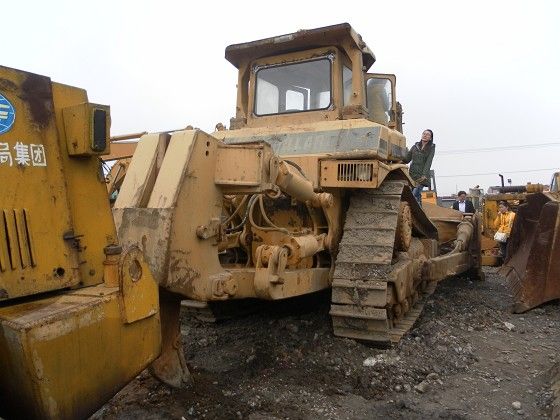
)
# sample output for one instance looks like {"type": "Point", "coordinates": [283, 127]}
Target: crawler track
{"type": "Point", "coordinates": [373, 267]}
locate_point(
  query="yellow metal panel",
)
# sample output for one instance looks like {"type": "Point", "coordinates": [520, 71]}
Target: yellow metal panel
{"type": "Point", "coordinates": [62, 357]}
{"type": "Point", "coordinates": [239, 166]}
{"type": "Point", "coordinates": [195, 269]}
{"type": "Point", "coordinates": [184, 198]}
{"type": "Point", "coordinates": [309, 164]}
{"type": "Point", "coordinates": [139, 296]}
{"type": "Point", "coordinates": [87, 196]}
{"type": "Point", "coordinates": [9, 220]}
{"type": "Point", "coordinates": [4, 257]}
{"type": "Point", "coordinates": [140, 175]}
{"type": "Point", "coordinates": [168, 183]}
{"type": "Point", "coordinates": [30, 238]}
{"type": "Point", "coordinates": [78, 127]}
{"type": "Point", "coordinates": [135, 224]}
{"type": "Point", "coordinates": [121, 150]}
{"type": "Point", "coordinates": [30, 158]}
{"type": "Point", "coordinates": [295, 283]}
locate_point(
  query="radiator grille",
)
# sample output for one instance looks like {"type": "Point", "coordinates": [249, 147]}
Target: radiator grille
{"type": "Point", "coordinates": [355, 172]}
{"type": "Point", "coordinates": [16, 245]}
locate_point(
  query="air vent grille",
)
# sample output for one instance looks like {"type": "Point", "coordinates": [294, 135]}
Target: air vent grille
{"type": "Point", "coordinates": [16, 245]}
{"type": "Point", "coordinates": [355, 172]}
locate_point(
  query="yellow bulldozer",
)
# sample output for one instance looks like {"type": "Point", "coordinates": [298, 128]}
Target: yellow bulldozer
{"type": "Point", "coordinates": [306, 191]}
{"type": "Point", "coordinates": [79, 316]}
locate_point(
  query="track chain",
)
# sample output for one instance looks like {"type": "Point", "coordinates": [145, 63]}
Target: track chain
{"type": "Point", "coordinates": [365, 265]}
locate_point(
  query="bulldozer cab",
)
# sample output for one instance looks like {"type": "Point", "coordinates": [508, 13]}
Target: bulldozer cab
{"type": "Point", "coordinates": [312, 75]}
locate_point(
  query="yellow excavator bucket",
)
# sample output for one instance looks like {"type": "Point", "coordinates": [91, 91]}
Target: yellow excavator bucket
{"type": "Point", "coordinates": [532, 268]}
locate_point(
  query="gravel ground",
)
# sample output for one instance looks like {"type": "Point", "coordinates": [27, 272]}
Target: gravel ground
{"type": "Point", "coordinates": [467, 357]}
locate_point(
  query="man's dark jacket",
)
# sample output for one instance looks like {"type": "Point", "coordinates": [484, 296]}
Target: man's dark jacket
{"type": "Point", "coordinates": [469, 207]}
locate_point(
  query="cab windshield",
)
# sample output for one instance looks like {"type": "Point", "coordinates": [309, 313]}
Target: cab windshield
{"type": "Point", "coordinates": [295, 87]}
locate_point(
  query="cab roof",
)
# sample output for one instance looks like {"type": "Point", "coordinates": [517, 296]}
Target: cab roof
{"type": "Point", "coordinates": [301, 40]}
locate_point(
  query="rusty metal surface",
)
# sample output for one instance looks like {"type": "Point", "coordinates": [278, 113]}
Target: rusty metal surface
{"type": "Point", "coordinates": [532, 268]}
{"type": "Point", "coordinates": [336, 140]}
{"type": "Point", "coordinates": [171, 367]}
{"type": "Point", "coordinates": [446, 221]}
{"type": "Point", "coordinates": [36, 93]}
{"type": "Point", "coordinates": [47, 237]}
{"type": "Point", "coordinates": [302, 39]}
{"type": "Point", "coordinates": [64, 356]}
{"type": "Point", "coordinates": [340, 139]}
{"type": "Point", "coordinates": [65, 353]}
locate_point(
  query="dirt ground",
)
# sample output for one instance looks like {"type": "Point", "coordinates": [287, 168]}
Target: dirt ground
{"type": "Point", "coordinates": [467, 357]}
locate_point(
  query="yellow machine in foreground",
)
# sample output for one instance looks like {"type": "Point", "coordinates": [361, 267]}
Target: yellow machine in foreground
{"type": "Point", "coordinates": [306, 191]}
{"type": "Point", "coordinates": [79, 315]}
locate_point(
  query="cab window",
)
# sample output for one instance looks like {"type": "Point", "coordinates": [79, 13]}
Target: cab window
{"type": "Point", "coordinates": [294, 87]}
{"type": "Point", "coordinates": [347, 84]}
{"type": "Point", "coordinates": [379, 100]}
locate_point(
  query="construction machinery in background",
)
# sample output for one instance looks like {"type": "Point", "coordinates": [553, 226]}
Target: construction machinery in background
{"type": "Point", "coordinates": [533, 250]}
{"type": "Point", "coordinates": [304, 192]}
{"type": "Point", "coordinates": [430, 195]}
{"type": "Point", "coordinates": [79, 315]}
{"type": "Point", "coordinates": [514, 195]}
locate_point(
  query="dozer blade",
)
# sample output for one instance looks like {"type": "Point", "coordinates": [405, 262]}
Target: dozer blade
{"type": "Point", "coordinates": [532, 268]}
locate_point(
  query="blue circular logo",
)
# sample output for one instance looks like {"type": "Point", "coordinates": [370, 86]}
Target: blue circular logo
{"type": "Point", "coordinates": [7, 115]}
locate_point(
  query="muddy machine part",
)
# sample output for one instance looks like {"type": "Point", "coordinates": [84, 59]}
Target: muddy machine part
{"type": "Point", "coordinates": [532, 267]}
{"type": "Point", "coordinates": [305, 191]}
{"type": "Point", "coordinates": [182, 236]}
{"type": "Point", "coordinates": [388, 263]}
{"type": "Point", "coordinates": [79, 313]}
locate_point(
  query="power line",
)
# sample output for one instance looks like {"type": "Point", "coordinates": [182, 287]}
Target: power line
{"type": "Point", "coordinates": [497, 148]}
{"type": "Point", "coordinates": [499, 172]}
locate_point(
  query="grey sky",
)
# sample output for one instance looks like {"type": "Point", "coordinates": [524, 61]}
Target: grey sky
{"type": "Point", "coordinates": [481, 74]}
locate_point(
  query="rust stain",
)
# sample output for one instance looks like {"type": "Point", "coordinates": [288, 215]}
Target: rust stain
{"type": "Point", "coordinates": [181, 273]}
{"type": "Point", "coordinates": [7, 85]}
{"type": "Point", "coordinates": [37, 94]}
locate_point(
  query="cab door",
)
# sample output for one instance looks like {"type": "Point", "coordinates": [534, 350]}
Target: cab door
{"type": "Point", "coordinates": [382, 104]}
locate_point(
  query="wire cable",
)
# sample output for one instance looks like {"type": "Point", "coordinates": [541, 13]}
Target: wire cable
{"type": "Point", "coordinates": [500, 172]}
{"type": "Point", "coordinates": [497, 148]}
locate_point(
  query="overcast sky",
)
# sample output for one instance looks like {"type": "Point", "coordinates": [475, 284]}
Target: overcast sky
{"type": "Point", "coordinates": [480, 74]}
